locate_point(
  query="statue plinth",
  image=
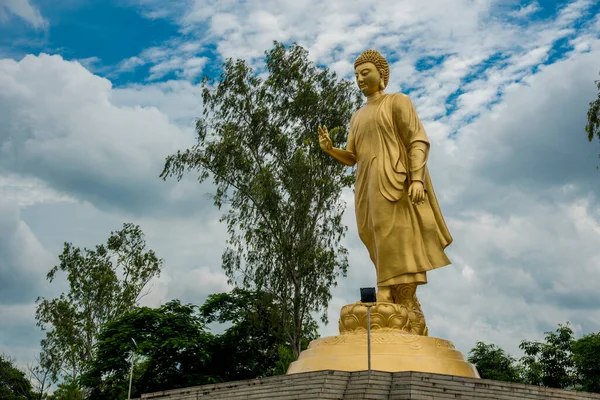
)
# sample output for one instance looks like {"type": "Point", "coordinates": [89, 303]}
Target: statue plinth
{"type": "Point", "coordinates": [398, 343]}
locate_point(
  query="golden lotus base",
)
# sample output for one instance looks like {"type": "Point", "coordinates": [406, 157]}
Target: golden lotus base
{"type": "Point", "coordinates": [391, 351]}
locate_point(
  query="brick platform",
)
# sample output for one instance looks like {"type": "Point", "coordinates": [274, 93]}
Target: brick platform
{"type": "Point", "coordinates": [340, 385]}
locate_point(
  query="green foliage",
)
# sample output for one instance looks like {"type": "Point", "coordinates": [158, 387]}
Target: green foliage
{"type": "Point", "coordinates": [551, 363]}
{"type": "Point", "coordinates": [285, 358]}
{"type": "Point", "coordinates": [173, 352]}
{"type": "Point", "coordinates": [255, 345]}
{"type": "Point", "coordinates": [67, 390]}
{"type": "Point", "coordinates": [493, 363]}
{"type": "Point", "coordinates": [258, 142]}
{"type": "Point", "coordinates": [586, 357]}
{"type": "Point", "coordinates": [13, 383]}
{"type": "Point", "coordinates": [560, 361]}
{"type": "Point", "coordinates": [176, 351]}
{"type": "Point", "coordinates": [592, 127]}
{"type": "Point", "coordinates": [103, 284]}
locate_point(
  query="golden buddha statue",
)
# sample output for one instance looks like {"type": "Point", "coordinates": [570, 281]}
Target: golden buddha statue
{"type": "Point", "coordinates": [400, 222]}
{"type": "Point", "coordinates": [398, 216]}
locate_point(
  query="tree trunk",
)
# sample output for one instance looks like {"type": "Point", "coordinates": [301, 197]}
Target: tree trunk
{"type": "Point", "coordinates": [297, 345]}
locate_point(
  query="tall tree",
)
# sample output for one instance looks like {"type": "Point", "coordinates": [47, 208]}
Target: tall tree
{"type": "Point", "coordinates": [257, 140]}
{"type": "Point", "coordinates": [592, 127]}
{"type": "Point", "coordinates": [550, 363]}
{"type": "Point", "coordinates": [254, 345]}
{"type": "Point", "coordinates": [13, 382]}
{"type": "Point", "coordinates": [586, 357]}
{"type": "Point", "coordinates": [493, 363]}
{"type": "Point", "coordinates": [172, 352]}
{"type": "Point", "coordinates": [103, 283]}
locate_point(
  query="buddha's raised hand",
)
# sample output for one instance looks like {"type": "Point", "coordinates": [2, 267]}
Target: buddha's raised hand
{"type": "Point", "coordinates": [324, 139]}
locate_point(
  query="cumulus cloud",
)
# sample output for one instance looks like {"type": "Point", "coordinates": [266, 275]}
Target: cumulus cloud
{"type": "Point", "coordinates": [179, 99]}
{"type": "Point", "coordinates": [60, 125]}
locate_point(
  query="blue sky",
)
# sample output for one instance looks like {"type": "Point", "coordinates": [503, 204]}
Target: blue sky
{"type": "Point", "coordinates": [106, 31]}
{"type": "Point", "coordinates": [94, 95]}
{"type": "Point", "coordinates": [104, 34]}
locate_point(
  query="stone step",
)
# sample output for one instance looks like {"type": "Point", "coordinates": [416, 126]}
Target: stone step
{"type": "Point", "coordinates": [338, 385]}
{"type": "Point", "coordinates": [330, 387]}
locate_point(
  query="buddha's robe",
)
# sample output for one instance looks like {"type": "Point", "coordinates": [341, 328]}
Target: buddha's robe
{"type": "Point", "coordinates": [391, 148]}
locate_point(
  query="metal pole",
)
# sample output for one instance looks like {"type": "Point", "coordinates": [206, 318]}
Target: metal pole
{"type": "Point", "coordinates": [369, 339]}
{"type": "Point", "coordinates": [131, 374]}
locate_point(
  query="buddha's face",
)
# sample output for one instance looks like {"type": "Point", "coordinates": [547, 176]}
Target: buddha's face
{"type": "Point", "coordinates": [368, 78]}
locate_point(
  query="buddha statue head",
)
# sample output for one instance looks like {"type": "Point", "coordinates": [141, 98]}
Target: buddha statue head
{"type": "Point", "coordinates": [372, 72]}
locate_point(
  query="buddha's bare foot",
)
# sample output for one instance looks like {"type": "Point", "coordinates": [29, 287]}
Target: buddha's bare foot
{"type": "Point", "coordinates": [384, 294]}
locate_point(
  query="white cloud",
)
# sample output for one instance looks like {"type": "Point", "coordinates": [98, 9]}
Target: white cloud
{"type": "Point", "coordinates": [182, 58]}
{"type": "Point", "coordinates": [573, 11]}
{"type": "Point", "coordinates": [188, 68]}
{"type": "Point", "coordinates": [526, 11]}
{"type": "Point", "coordinates": [92, 64]}
{"type": "Point", "coordinates": [26, 191]}
{"type": "Point", "coordinates": [179, 99]}
{"type": "Point", "coordinates": [25, 10]}
{"type": "Point", "coordinates": [130, 64]}
{"type": "Point", "coordinates": [61, 125]}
